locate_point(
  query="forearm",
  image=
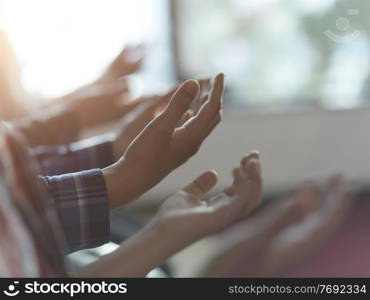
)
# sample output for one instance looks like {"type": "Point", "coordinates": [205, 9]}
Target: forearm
{"type": "Point", "coordinates": [51, 127]}
{"type": "Point", "coordinates": [136, 257]}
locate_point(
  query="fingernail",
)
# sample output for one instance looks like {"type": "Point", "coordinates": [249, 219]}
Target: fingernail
{"type": "Point", "coordinates": [255, 161]}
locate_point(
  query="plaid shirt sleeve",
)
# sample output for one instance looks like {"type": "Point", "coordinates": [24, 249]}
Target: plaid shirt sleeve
{"type": "Point", "coordinates": [87, 154]}
{"type": "Point", "coordinates": [82, 207]}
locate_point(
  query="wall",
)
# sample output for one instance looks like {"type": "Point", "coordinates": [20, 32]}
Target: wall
{"type": "Point", "coordinates": [294, 146]}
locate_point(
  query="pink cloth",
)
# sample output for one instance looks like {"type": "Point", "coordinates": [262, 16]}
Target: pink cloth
{"type": "Point", "coordinates": [348, 253]}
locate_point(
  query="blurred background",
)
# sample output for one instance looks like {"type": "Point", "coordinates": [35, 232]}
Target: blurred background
{"type": "Point", "coordinates": [297, 71]}
{"type": "Point", "coordinates": [297, 74]}
{"type": "Point", "coordinates": [276, 53]}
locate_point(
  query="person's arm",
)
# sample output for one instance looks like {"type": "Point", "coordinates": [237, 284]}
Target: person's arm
{"type": "Point", "coordinates": [62, 121]}
{"type": "Point", "coordinates": [12, 95]}
{"type": "Point", "coordinates": [161, 147]}
{"type": "Point", "coordinates": [55, 126]}
{"type": "Point", "coordinates": [82, 206]}
{"type": "Point", "coordinates": [166, 143]}
{"type": "Point", "coordinates": [182, 219]}
{"type": "Point", "coordinates": [99, 151]}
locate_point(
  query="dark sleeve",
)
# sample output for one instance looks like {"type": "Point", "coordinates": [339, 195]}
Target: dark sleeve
{"type": "Point", "coordinates": [82, 207]}
{"type": "Point", "coordinates": [84, 155]}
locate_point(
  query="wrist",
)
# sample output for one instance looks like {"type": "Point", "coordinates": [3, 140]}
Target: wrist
{"type": "Point", "coordinates": [120, 183]}
{"type": "Point", "coordinates": [120, 144]}
{"type": "Point", "coordinates": [170, 238]}
{"type": "Point", "coordinates": [135, 257]}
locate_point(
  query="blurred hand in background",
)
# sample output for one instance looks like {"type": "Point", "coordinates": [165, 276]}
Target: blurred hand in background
{"type": "Point", "coordinates": [127, 62]}
{"type": "Point", "coordinates": [281, 236]}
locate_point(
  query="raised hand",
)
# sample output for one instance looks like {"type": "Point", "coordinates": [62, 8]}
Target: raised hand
{"type": "Point", "coordinates": [165, 143]}
{"type": "Point", "coordinates": [128, 61]}
{"type": "Point", "coordinates": [188, 216]}
{"type": "Point", "coordinates": [95, 104]}
{"type": "Point", "coordinates": [292, 246]}
{"type": "Point", "coordinates": [280, 236]}
{"type": "Point", "coordinates": [135, 121]}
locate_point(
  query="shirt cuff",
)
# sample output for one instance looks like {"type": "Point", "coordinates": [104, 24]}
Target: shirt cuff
{"type": "Point", "coordinates": [81, 201]}
{"type": "Point", "coordinates": [84, 155]}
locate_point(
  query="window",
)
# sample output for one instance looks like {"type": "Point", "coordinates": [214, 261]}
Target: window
{"type": "Point", "coordinates": [280, 53]}
{"type": "Point", "coordinates": [62, 44]}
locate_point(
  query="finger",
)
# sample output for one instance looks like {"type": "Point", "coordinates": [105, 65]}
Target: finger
{"type": "Point", "coordinates": [213, 125]}
{"type": "Point", "coordinates": [160, 101]}
{"type": "Point", "coordinates": [218, 200]}
{"type": "Point", "coordinates": [249, 239]}
{"type": "Point", "coordinates": [179, 104]}
{"type": "Point", "coordinates": [202, 185]}
{"type": "Point", "coordinates": [186, 117]}
{"type": "Point", "coordinates": [156, 102]}
{"type": "Point", "coordinates": [308, 198]}
{"type": "Point", "coordinates": [117, 87]}
{"type": "Point", "coordinates": [212, 105]}
{"type": "Point", "coordinates": [133, 54]}
{"type": "Point", "coordinates": [253, 170]}
{"type": "Point", "coordinates": [238, 175]}
{"type": "Point", "coordinates": [202, 100]}
{"type": "Point", "coordinates": [331, 187]}
{"type": "Point", "coordinates": [334, 181]}
{"type": "Point", "coordinates": [126, 107]}
{"type": "Point", "coordinates": [271, 220]}
{"type": "Point", "coordinates": [245, 159]}
{"type": "Point", "coordinates": [205, 85]}
{"type": "Point", "coordinates": [337, 191]}
{"type": "Point", "coordinates": [209, 109]}
{"type": "Point", "coordinates": [197, 104]}
{"type": "Point", "coordinates": [215, 97]}
{"type": "Point", "coordinates": [146, 112]}
{"type": "Point", "coordinates": [229, 191]}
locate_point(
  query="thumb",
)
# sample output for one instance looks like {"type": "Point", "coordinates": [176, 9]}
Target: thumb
{"type": "Point", "coordinates": [202, 185]}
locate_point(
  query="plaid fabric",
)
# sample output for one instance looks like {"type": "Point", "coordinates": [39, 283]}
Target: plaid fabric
{"type": "Point", "coordinates": [81, 198]}
{"type": "Point", "coordinates": [81, 203]}
{"type": "Point", "coordinates": [17, 255]}
{"type": "Point", "coordinates": [88, 154]}
{"type": "Point", "coordinates": [30, 236]}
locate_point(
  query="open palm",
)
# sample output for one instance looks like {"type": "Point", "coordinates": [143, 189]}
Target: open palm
{"type": "Point", "coordinates": [191, 217]}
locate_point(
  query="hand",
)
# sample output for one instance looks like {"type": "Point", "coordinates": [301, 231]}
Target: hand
{"type": "Point", "coordinates": [247, 242]}
{"type": "Point", "coordinates": [93, 105]}
{"type": "Point", "coordinates": [129, 61]}
{"type": "Point", "coordinates": [181, 220]}
{"type": "Point", "coordinates": [135, 121]}
{"type": "Point", "coordinates": [187, 216]}
{"type": "Point", "coordinates": [292, 246]}
{"type": "Point", "coordinates": [281, 235]}
{"type": "Point", "coordinates": [165, 143]}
